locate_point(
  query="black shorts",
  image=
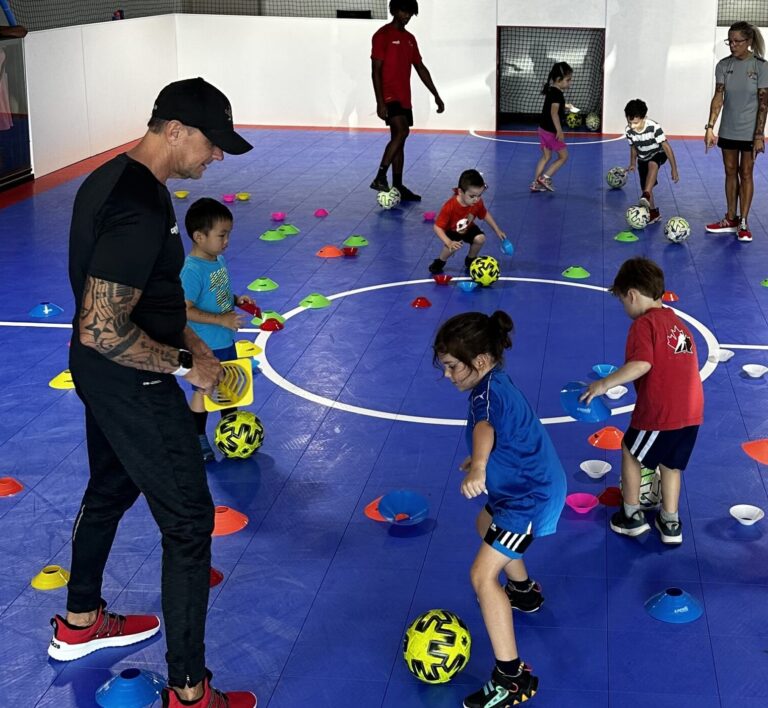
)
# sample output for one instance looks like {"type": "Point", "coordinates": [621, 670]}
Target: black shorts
{"type": "Point", "coordinates": [468, 235]}
{"type": "Point", "coordinates": [642, 167]}
{"type": "Point", "coordinates": [394, 109]}
{"type": "Point", "coordinates": [512, 544]}
{"type": "Point", "coordinates": [671, 448]}
{"type": "Point", "coordinates": [740, 145]}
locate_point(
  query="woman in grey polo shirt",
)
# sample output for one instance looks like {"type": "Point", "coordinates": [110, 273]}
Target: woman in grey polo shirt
{"type": "Point", "coordinates": [741, 91]}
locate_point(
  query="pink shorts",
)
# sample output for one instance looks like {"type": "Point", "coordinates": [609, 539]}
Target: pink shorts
{"type": "Point", "coordinates": [549, 141]}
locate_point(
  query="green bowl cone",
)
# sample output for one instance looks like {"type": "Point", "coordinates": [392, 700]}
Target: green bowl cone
{"type": "Point", "coordinates": [576, 272]}
{"type": "Point", "coordinates": [315, 301]}
{"type": "Point", "coordinates": [263, 285]}
{"type": "Point", "coordinates": [272, 235]}
{"type": "Point", "coordinates": [272, 315]}
{"type": "Point", "coordinates": [356, 240]}
{"type": "Point", "coordinates": [288, 229]}
{"type": "Point", "coordinates": [625, 237]}
{"type": "Point", "coordinates": [764, 283]}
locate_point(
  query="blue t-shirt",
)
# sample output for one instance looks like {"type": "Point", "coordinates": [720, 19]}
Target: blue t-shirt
{"type": "Point", "coordinates": [206, 284]}
{"type": "Point", "coordinates": [524, 477]}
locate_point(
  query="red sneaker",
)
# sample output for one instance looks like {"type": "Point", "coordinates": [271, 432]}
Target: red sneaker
{"type": "Point", "coordinates": [724, 226]}
{"type": "Point", "coordinates": [744, 234]}
{"type": "Point", "coordinates": [109, 630]}
{"type": "Point", "coordinates": [654, 215]}
{"type": "Point", "coordinates": [211, 698]}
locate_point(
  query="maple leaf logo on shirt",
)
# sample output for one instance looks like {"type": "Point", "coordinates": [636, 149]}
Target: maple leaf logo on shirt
{"type": "Point", "coordinates": [678, 340]}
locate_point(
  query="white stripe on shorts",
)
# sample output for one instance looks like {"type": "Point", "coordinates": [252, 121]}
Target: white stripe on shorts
{"type": "Point", "coordinates": [651, 438]}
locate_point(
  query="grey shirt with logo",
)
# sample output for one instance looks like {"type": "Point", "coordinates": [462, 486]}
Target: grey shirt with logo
{"type": "Point", "coordinates": [741, 78]}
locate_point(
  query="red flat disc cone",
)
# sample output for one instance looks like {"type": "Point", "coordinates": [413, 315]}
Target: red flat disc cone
{"type": "Point", "coordinates": [9, 486]}
{"type": "Point", "coordinates": [216, 577]}
{"type": "Point", "coordinates": [757, 450]}
{"type": "Point", "coordinates": [271, 325]}
{"type": "Point", "coordinates": [611, 496]}
{"type": "Point", "coordinates": [608, 438]}
{"type": "Point", "coordinates": [227, 521]}
{"type": "Point", "coordinates": [421, 302]}
{"type": "Point", "coordinates": [669, 296]}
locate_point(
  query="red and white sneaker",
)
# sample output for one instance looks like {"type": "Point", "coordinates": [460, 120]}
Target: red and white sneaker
{"type": "Point", "coordinates": [724, 226]}
{"type": "Point", "coordinates": [654, 215]}
{"type": "Point", "coordinates": [645, 200]}
{"type": "Point", "coordinates": [536, 187]}
{"type": "Point", "coordinates": [744, 234]}
{"type": "Point", "coordinates": [546, 182]}
{"type": "Point", "coordinates": [109, 630]}
{"type": "Point", "coordinates": [211, 698]}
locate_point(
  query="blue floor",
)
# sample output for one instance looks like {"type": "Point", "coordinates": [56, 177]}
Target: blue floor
{"type": "Point", "coordinates": [316, 596]}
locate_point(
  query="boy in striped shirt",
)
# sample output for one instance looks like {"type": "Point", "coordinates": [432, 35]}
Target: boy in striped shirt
{"type": "Point", "coordinates": [648, 150]}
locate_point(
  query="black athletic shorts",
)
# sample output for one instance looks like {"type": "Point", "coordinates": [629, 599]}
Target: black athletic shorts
{"type": "Point", "coordinates": [394, 109]}
{"type": "Point", "coordinates": [740, 145]}
{"type": "Point", "coordinates": [468, 236]}
{"type": "Point", "coordinates": [671, 448]}
{"type": "Point", "coordinates": [642, 167]}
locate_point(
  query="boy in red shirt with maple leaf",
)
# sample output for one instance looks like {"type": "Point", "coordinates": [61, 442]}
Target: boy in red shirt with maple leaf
{"type": "Point", "coordinates": [661, 360]}
{"type": "Point", "coordinates": [394, 52]}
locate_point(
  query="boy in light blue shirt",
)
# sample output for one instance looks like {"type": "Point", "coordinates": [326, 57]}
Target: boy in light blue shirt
{"type": "Point", "coordinates": [208, 294]}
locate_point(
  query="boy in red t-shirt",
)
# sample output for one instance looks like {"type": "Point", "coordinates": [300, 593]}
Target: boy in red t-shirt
{"type": "Point", "coordinates": [393, 53]}
{"type": "Point", "coordinates": [455, 224]}
{"type": "Point", "coordinates": [661, 360]}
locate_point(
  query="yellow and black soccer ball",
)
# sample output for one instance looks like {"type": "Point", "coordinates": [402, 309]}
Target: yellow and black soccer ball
{"type": "Point", "coordinates": [239, 434]}
{"type": "Point", "coordinates": [436, 646]}
{"type": "Point", "coordinates": [485, 270]}
{"type": "Point", "coordinates": [573, 120]}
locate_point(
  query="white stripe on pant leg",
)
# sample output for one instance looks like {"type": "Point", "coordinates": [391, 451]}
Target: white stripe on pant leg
{"type": "Point", "coordinates": [648, 445]}
{"type": "Point", "coordinates": [638, 442]}
{"type": "Point", "coordinates": [518, 542]}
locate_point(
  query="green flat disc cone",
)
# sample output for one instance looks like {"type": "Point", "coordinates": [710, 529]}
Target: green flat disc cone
{"type": "Point", "coordinates": [625, 237]}
{"type": "Point", "coordinates": [356, 240]}
{"type": "Point", "coordinates": [288, 229]}
{"type": "Point", "coordinates": [315, 301]}
{"type": "Point", "coordinates": [576, 272]}
{"type": "Point", "coordinates": [263, 285]}
{"type": "Point", "coordinates": [764, 283]}
{"type": "Point", "coordinates": [272, 315]}
{"type": "Point", "coordinates": [273, 235]}
{"type": "Point", "coordinates": [256, 321]}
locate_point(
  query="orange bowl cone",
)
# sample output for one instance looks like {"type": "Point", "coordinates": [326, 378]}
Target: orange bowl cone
{"type": "Point", "coordinates": [227, 521]}
{"type": "Point", "coordinates": [669, 296]}
{"type": "Point", "coordinates": [608, 438]}
{"type": "Point", "coordinates": [757, 450]}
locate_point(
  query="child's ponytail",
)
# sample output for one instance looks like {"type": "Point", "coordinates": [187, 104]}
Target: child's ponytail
{"type": "Point", "coordinates": [559, 71]}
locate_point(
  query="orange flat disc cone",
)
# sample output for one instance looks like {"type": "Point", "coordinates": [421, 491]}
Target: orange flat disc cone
{"type": "Point", "coordinates": [216, 577]}
{"type": "Point", "coordinates": [611, 496]}
{"type": "Point", "coordinates": [227, 521]}
{"type": "Point", "coordinates": [9, 486]}
{"type": "Point", "coordinates": [608, 438]}
{"type": "Point", "coordinates": [330, 252]}
{"type": "Point", "coordinates": [757, 450]}
{"type": "Point", "coordinates": [669, 296]}
{"type": "Point", "coordinates": [372, 510]}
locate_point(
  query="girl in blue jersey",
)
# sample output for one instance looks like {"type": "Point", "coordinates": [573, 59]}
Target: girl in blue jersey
{"type": "Point", "coordinates": [514, 461]}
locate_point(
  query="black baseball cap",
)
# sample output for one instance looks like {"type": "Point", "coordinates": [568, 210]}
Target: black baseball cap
{"type": "Point", "coordinates": [200, 105]}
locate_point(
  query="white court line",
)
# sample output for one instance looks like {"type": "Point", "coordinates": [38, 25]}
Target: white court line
{"type": "Point", "coordinates": [744, 346]}
{"type": "Point", "coordinates": [475, 134]}
{"type": "Point", "coordinates": [48, 325]}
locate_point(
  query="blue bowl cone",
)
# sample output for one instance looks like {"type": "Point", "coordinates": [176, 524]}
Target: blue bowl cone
{"type": "Point", "coordinates": [507, 248]}
{"type": "Point", "coordinates": [404, 507]}
{"type": "Point", "coordinates": [594, 412]}
{"type": "Point", "coordinates": [45, 309]}
{"type": "Point", "coordinates": [674, 605]}
{"type": "Point", "coordinates": [131, 688]}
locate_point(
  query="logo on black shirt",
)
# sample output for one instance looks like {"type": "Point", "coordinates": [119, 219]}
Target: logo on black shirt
{"type": "Point", "coordinates": [175, 230]}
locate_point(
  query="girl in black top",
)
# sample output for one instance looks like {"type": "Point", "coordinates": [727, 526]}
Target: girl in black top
{"type": "Point", "coordinates": [551, 127]}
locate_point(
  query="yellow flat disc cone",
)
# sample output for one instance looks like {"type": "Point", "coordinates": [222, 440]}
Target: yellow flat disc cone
{"type": "Point", "coordinates": [50, 578]}
{"type": "Point", "coordinates": [235, 389]}
{"type": "Point", "coordinates": [62, 380]}
{"type": "Point", "coordinates": [246, 349]}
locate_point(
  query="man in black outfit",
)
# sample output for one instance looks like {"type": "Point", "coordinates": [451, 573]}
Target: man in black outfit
{"type": "Point", "coordinates": [130, 342]}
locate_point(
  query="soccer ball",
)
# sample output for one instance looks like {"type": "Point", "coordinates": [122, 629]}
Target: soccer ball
{"type": "Point", "coordinates": [677, 229]}
{"type": "Point", "coordinates": [461, 224]}
{"type": "Point", "coordinates": [650, 488]}
{"type": "Point", "coordinates": [436, 646]}
{"type": "Point", "coordinates": [239, 434]}
{"type": "Point", "coordinates": [638, 216]}
{"type": "Point", "coordinates": [388, 200]}
{"type": "Point", "coordinates": [592, 121]}
{"type": "Point", "coordinates": [485, 270]}
{"type": "Point", "coordinates": [573, 120]}
{"type": "Point", "coordinates": [616, 177]}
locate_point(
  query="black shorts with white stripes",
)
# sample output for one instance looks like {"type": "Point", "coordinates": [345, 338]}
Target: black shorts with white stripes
{"type": "Point", "coordinates": [671, 448]}
{"type": "Point", "coordinates": [510, 543]}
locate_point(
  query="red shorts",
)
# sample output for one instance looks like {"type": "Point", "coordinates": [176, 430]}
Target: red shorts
{"type": "Point", "coordinates": [549, 141]}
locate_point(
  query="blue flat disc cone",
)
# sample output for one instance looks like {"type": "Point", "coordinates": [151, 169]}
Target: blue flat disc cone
{"type": "Point", "coordinates": [404, 507]}
{"type": "Point", "coordinates": [674, 605]}
{"type": "Point", "coordinates": [45, 309]}
{"type": "Point", "coordinates": [595, 412]}
{"type": "Point", "coordinates": [507, 248]}
{"type": "Point", "coordinates": [131, 688]}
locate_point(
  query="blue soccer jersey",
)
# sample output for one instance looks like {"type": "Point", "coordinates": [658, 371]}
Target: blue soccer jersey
{"type": "Point", "coordinates": [524, 477]}
{"type": "Point", "coordinates": [206, 284]}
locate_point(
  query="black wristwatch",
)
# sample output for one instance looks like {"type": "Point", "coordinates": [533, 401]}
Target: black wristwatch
{"type": "Point", "coordinates": [185, 363]}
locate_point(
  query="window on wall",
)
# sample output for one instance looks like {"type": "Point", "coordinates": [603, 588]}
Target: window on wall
{"type": "Point", "coordinates": [753, 11]}
{"type": "Point", "coordinates": [526, 55]}
{"type": "Point", "coordinates": [47, 14]}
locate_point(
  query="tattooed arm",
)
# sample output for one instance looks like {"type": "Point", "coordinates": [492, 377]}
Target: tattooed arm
{"type": "Point", "coordinates": [106, 326]}
{"type": "Point", "coordinates": [762, 111]}
{"type": "Point", "coordinates": [715, 107]}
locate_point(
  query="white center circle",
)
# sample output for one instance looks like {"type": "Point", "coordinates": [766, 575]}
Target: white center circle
{"type": "Point", "coordinates": [277, 379]}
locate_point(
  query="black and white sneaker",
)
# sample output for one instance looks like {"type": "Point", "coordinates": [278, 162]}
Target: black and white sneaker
{"type": "Point", "coordinates": [671, 531]}
{"type": "Point", "coordinates": [503, 691]}
{"type": "Point", "coordinates": [529, 600]}
{"type": "Point", "coordinates": [634, 525]}
{"type": "Point", "coordinates": [436, 266]}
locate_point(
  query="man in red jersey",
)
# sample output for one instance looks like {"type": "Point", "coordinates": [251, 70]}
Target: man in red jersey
{"type": "Point", "coordinates": [394, 52]}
